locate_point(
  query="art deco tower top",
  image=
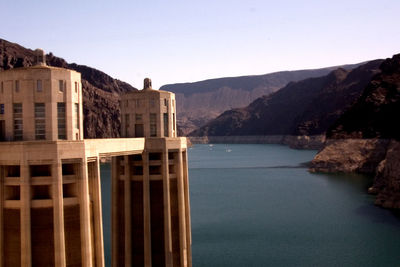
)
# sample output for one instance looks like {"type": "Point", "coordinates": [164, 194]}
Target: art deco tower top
{"type": "Point", "coordinates": [147, 84]}
{"type": "Point", "coordinates": [40, 57]}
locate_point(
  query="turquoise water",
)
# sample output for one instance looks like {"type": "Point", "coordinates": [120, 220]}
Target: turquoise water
{"type": "Point", "coordinates": [257, 205]}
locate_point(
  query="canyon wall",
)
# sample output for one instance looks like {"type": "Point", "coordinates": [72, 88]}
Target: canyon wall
{"type": "Point", "coordinates": [366, 138]}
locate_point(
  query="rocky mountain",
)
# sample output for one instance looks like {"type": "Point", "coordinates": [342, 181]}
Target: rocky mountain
{"type": "Point", "coordinates": [100, 91]}
{"type": "Point", "coordinates": [307, 107]}
{"type": "Point", "coordinates": [199, 102]}
{"type": "Point", "coordinates": [366, 138]}
{"type": "Point", "coordinates": [376, 113]}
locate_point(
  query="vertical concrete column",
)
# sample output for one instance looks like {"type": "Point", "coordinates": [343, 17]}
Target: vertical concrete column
{"type": "Point", "coordinates": [187, 206]}
{"type": "Point", "coordinates": [86, 233]}
{"type": "Point", "coordinates": [2, 174]}
{"type": "Point", "coordinates": [182, 215]}
{"type": "Point", "coordinates": [58, 214]}
{"type": "Point", "coordinates": [114, 208]}
{"type": "Point", "coordinates": [25, 208]}
{"type": "Point", "coordinates": [128, 217]}
{"type": "Point", "coordinates": [97, 213]}
{"type": "Point", "coordinates": [167, 208]}
{"type": "Point", "coordinates": [146, 209]}
{"type": "Point", "coordinates": [50, 119]}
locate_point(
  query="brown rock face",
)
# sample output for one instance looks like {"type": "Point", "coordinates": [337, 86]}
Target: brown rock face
{"type": "Point", "coordinates": [387, 180]}
{"type": "Point", "coordinates": [350, 155]}
{"type": "Point", "coordinates": [100, 92]}
{"type": "Point", "coordinates": [303, 108]}
{"type": "Point", "coordinates": [370, 156]}
{"type": "Point", "coordinates": [376, 112]}
{"type": "Point", "coordinates": [366, 138]}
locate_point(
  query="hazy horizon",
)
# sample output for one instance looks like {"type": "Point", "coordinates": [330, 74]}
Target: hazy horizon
{"type": "Point", "coordinates": [177, 41]}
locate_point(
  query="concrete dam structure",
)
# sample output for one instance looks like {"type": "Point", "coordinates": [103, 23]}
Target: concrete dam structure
{"type": "Point", "coordinates": [50, 197]}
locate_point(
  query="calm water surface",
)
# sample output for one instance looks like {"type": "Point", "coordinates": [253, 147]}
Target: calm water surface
{"type": "Point", "coordinates": [257, 205]}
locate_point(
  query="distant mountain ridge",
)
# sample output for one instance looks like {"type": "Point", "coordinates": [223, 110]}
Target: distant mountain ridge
{"type": "Point", "coordinates": [199, 102]}
{"type": "Point", "coordinates": [100, 91]}
{"type": "Point", "coordinates": [306, 107]}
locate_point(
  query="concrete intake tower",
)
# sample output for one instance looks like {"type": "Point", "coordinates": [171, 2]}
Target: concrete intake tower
{"type": "Point", "coordinates": [50, 197]}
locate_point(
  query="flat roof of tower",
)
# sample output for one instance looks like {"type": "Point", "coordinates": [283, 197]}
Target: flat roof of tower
{"type": "Point", "coordinates": [38, 67]}
{"type": "Point", "coordinates": [141, 91]}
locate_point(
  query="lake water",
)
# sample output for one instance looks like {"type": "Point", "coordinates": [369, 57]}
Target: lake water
{"type": "Point", "coordinates": [257, 205]}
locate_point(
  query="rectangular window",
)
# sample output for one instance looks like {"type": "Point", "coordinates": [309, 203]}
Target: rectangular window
{"type": "Point", "coordinates": [126, 125]}
{"type": "Point", "coordinates": [40, 121]}
{"type": "Point", "coordinates": [174, 122]}
{"type": "Point", "coordinates": [17, 86]}
{"type": "Point", "coordinates": [61, 121]}
{"type": "Point", "coordinates": [39, 87]}
{"type": "Point", "coordinates": [152, 103]}
{"type": "Point", "coordinates": [61, 85]}
{"type": "Point", "coordinates": [76, 87]}
{"type": "Point", "coordinates": [76, 115]}
{"type": "Point", "coordinates": [17, 115]}
{"type": "Point", "coordinates": [166, 127]}
{"type": "Point", "coordinates": [1, 108]}
{"type": "Point", "coordinates": [138, 117]}
{"type": "Point", "coordinates": [165, 102]}
{"type": "Point", "coordinates": [2, 130]}
{"type": "Point", "coordinates": [153, 125]}
{"type": "Point", "coordinates": [139, 132]}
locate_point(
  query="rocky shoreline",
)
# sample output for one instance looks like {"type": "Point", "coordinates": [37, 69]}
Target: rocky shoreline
{"type": "Point", "coordinates": [378, 157]}
{"type": "Point", "coordinates": [293, 141]}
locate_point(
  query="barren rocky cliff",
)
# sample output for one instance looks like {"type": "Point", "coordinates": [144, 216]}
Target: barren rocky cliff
{"type": "Point", "coordinates": [100, 91]}
{"type": "Point", "coordinates": [305, 108]}
{"type": "Point", "coordinates": [366, 138]}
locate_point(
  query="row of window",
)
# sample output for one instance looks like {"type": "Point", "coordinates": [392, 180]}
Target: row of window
{"type": "Point", "coordinates": [40, 120]}
{"type": "Point", "coordinates": [62, 85]}
{"type": "Point", "coordinates": [152, 102]}
{"type": "Point", "coordinates": [18, 126]}
{"type": "Point", "coordinates": [153, 124]}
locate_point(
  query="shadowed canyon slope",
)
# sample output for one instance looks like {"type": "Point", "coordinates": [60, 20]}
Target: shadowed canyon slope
{"type": "Point", "coordinates": [307, 107]}
{"type": "Point", "coordinates": [366, 138]}
{"type": "Point", "coordinates": [376, 113]}
{"type": "Point", "coordinates": [199, 102]}
{"type": "Point", "coordinates": [100, 91]}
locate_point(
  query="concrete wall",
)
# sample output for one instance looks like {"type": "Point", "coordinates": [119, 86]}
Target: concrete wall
{"type": "Point", "coordinates": [28, 93]}
{"type": "Point", "coordinates": [150, 211]}
{"type": "Point", "coordinates": [146, 102]}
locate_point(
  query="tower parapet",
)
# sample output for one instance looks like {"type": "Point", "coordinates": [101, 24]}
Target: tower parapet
{"type": "Point", "coordinates": [40, 57]}
{"type": "Point", "coordinates": [147, 84]}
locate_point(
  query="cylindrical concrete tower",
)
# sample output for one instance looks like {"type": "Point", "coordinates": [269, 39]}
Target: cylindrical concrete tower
{"type": "Point", "coordinates": [151, 214]}
{"type": "Point", "coordinates": [49, 187]}
{"type": "Point", "coordinates": [148, 113]}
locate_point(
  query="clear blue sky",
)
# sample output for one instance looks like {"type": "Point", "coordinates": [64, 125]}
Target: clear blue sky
{"type": "Point", "coordinates": [183, 41]}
